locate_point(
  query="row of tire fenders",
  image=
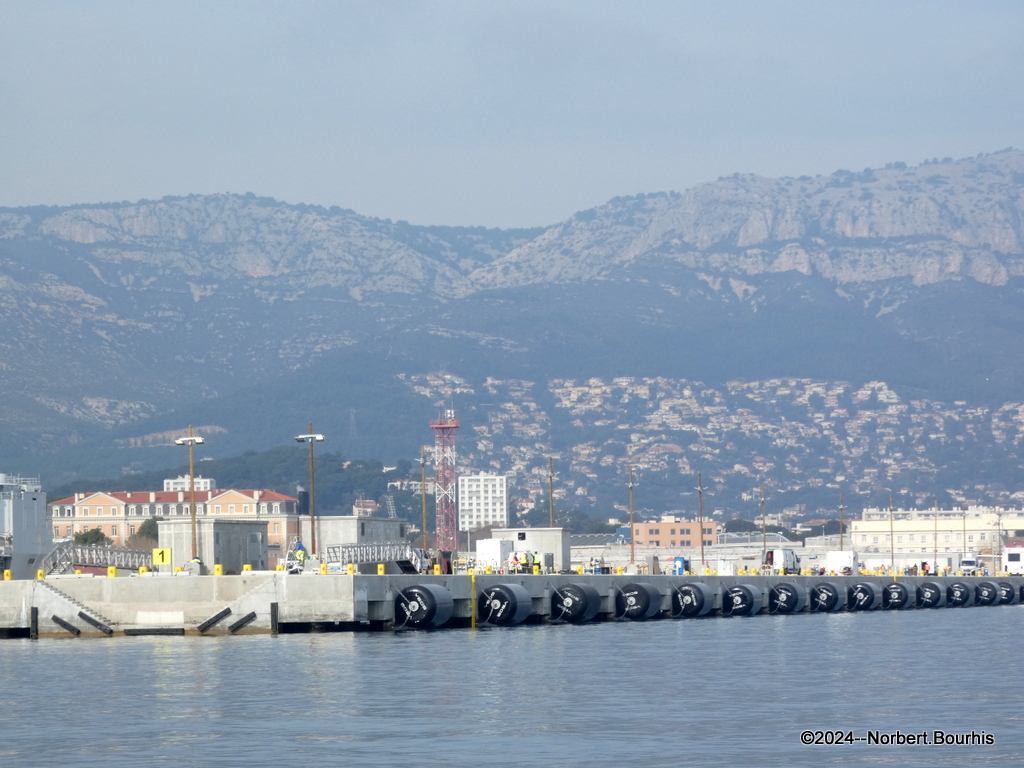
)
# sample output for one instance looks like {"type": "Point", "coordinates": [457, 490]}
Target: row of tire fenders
{"type": "Point", "coordinates": [428, 606]}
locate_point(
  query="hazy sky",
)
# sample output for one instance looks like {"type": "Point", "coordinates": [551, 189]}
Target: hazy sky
{"type": "Point", "coordinates": [493, 113]}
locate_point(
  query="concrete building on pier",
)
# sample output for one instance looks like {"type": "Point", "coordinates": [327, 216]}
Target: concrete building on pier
{"type": "Point", "coordinates": [119, 514]}
{"type": "Point", "coordinates": [24, 530]}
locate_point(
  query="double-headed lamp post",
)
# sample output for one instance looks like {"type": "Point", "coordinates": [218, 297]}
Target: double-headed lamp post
{"type": "Point", "coordinates": [191, 441]}
{"type": "Point", "coordinates": [311, 438]}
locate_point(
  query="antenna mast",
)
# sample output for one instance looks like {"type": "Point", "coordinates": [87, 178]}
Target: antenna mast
{"type": "Point", "coordinates": [444, 481]}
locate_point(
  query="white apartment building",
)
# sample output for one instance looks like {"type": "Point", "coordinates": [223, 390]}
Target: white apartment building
{"type": "Point", "coordinates": [483, 500]}
{"type": "Point", "coordinates": [181, 483]}
{"type": "Point", "coordinates": [974, 530]}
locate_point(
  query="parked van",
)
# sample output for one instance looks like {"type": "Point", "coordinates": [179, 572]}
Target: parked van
{"type": "Point", "coordinates": [782, 560]}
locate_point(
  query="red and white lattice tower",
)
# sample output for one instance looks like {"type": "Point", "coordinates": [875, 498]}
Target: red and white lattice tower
{"type": "Point", "coordinates": [446, 516]}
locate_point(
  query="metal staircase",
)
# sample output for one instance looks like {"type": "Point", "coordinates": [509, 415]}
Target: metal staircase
{"type": "Point", "coordinates": [64, 558]}
{"type": "Point", "coordinates": [381, 552]}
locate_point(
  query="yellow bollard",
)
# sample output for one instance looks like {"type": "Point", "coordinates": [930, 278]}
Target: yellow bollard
{"type": "Point", "coordinates": [536, 570]}
{"type": "Point", "coordinates": [618, 570]}
{"type": "Point", "coordinates": [350, 569]}
{"type": "Point", "coordinates": [40, 576]}
{"type": "Point", "coordinates": [7, 575]}
{"type": "Point", "coordinates": [279, 567]}
{"type": "Point", "coordinates": [489, 570]}
{"type": "Point", "coordinates": [323, 569]}
{"type": "Point", "coordinates": [380, 569]}
{"type": "Point", "coordinates": [111, 571]}
{"type": "Point", "coordinates": [78, 571]}
{"type": "Point", "coordinates": [178, 569]}
{"type": "Point", "coordinates": [218, 569]}
{"type": "Point", "coordinates": [472, 598]}
{"type": "Point", "coordinates": [246, 567]}
{"type": "Point", "coordinates": [437, 569]}
{"type": "Point", "coordinates": [143, 570]}
{"type": "Point", "coordinates": [579, 569]}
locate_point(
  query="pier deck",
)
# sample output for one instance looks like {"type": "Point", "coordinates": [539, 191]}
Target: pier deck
{"type": "Point", "coordinates": [271, 601]}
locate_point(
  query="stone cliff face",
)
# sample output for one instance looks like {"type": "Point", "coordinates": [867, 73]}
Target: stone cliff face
{"type": "Point", "coordinates": [929, 223]}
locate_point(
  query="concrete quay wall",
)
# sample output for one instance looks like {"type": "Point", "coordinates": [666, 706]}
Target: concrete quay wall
{"type": "Point", "coordinates": [265, 601]}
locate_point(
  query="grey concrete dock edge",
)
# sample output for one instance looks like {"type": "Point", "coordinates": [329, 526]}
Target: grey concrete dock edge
{"type": "Point", "coordinates": [258, 602]}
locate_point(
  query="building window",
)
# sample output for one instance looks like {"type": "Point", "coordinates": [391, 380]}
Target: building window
{"type": "Point", "coordinates": [68, 532]}
{"type": "Point", "coordinates": [277, 527]}
{"type": "Point", "coordinates": [113, 530]}
{"type": "Point", "coordinates": [56, 531]}
{"type": "Point", "coordinates": [216, 509]}
{"type": "Point", "coordinates": [131, 530]}
{"type": "Point", "coordinates": [231, 509]}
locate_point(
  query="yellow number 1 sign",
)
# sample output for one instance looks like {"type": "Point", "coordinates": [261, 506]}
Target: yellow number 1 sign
{"type": "Point", "coordinates": [161, 556]}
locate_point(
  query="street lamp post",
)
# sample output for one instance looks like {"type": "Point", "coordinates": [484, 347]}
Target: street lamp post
{"type": "Point", "coordinates": [191, 441]}
{"type": "Point", "coordinates": [311, 438]}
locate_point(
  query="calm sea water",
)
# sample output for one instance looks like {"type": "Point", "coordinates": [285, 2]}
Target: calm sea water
{"type": "Point", "coordinates": [731, 692]}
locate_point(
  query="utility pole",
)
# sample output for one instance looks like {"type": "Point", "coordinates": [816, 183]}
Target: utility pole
{"type": "Point", "coordinates": [963, 546]}
{"type": "Point", "coordinates": [764, 532]}
{"type": "Point", "coordinates": [700, 518]}
{"type": "Point", "coordinates": [841, 522]}
{"type": "Point", "coordinates": [892, 542]}
{"type": "Point", "coordinates": [997, 561]}
{"type": "Point", "coordinates": [423, 493]}
{"type": "Point", "coordinates": [551, 492]}
{"type": "Point", "coordinates": [632, 530]}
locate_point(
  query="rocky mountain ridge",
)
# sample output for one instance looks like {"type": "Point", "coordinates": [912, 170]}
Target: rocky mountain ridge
{"type": "Point", "coordinates": [127, 320]}
{"type": "Point", "coordinates": [928, 223]}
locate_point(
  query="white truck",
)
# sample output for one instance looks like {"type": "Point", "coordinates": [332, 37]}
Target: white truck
{"type": "Point", "coordinates": [971, 566]}
{"type": "Point", "coordinates": [842, 562]}
{"type": "Point", "coordinates": [782, 561]}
